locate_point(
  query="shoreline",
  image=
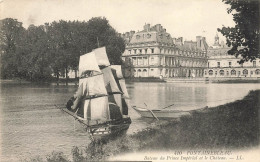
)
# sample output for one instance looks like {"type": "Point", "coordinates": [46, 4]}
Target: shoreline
{"type": "Point", "coordinates": [231, 126]}
{"type": "Point", "coordinates": [73, 81]}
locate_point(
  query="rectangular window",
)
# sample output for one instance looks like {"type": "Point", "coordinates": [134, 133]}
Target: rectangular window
{"type": "Point", "coordinates": [145, 61]}
{"type": "Point", "coordinates": [134, 51]}
{"type": "Point", "coordinates": [145, 51]}
{"type": "Point", "coordinates": [129, 51]}
{"type": "Point", "coordinates": [134, 61]}
{"type": "Point", "coordinates": [140, 61]}
{"type": "Point", "coordinates": [229, 63]}
{"type": "Point", "coordinates": [152, 60]}
{"type": "Point", "coordinates": [140, 50]}
{"type": "Point", "coordinates": [218, 64]}
{"type": "Point", "coordinates": [152, 50]}
{"type": "Point", "coordinates": [254, 63]}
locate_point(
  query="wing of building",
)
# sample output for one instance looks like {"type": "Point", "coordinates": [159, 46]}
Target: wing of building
{"type": "Point", "coordinates": [152, 52]}
{"type": "Point", "coordinates": [222, 65]}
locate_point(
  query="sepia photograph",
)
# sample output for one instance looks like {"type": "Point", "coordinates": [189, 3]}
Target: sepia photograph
{"type": "Point", "coordinates": [129, 80]}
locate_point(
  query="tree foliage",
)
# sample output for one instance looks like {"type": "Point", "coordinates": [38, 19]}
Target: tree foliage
{"type": "Point", "coordinates": [38, 52]}
{"type": "Point", "coordinates": [244, 37]}
{"type": "Point", "coordinates": [11, 35]}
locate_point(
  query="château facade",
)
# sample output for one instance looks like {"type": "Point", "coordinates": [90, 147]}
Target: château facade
{"type": "Point", "coordinates": [222, 65]}
{"type": "Point", "coordinates": [152, 52]}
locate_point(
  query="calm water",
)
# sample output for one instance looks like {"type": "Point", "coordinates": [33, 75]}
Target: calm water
{"type": "Point", "coordinates": [31, 125]}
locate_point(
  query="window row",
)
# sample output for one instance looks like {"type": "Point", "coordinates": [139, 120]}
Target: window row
{"type": "Point", "coordinates": [233, 72]}
{"type": "Point", "coordinates": [165, 51]}
{"type": "Point", "coordinates": [230, 64]}
{"type": "Point", "coordinates": [141, 51]}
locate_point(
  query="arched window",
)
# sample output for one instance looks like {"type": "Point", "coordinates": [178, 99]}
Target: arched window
{"type": "Point", "coordinates": [245, 71]}
{"type": "Point", "coordinates": [233, 72]}
{"type": "Point", "coordinates": [257, 71]}
{"type": "Point", "coordinates": [221, 72]}
{"type": "Point", "coordinates": [210, 72]}
{"type": "Point", "coordinates": [145, 73]}
{"type": "Point", "coordinates": [139, 73]}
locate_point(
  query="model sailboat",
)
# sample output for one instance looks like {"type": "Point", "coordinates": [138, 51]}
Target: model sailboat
{"type": "Point", "coordinates": [100, 102]}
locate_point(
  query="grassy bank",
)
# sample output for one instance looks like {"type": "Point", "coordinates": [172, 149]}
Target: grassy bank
{"type": "Point", "coordinates": [231, 126]}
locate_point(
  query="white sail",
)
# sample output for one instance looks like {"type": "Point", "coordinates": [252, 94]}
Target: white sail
{"type": "Point", "coordinates": [99, 108]}
{"type": "Point", "coordinates": [118, 71]}
{"type": "Point", "coordinates": [100, 92]}
{"type": "Point", "coordinates": [123, 87]}
{"type": "Point", "coordinates": [101, 56]}
{"type": "Point", "coordinates": [96, 85]}
{"type": "Point", "coordinates": [88, 62]}
{"type": "Point", "coordinates": [96, 109]}
{"type": "Point", "coordinates": [118, 99]}
{"type": "Point", "coordinates": [109, 79]}
{"type": "Point", "coordinates": [87, 109]}
{"type": "Point", "coordinates": [93, 85]}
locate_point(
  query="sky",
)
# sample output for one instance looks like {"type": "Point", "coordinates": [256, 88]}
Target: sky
{"type": "Point", "coordinates": [181, 18]}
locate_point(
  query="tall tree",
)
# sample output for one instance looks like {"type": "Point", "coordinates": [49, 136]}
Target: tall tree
{"type": "Point", "coordinates": [100, 33]}
{"type": "Point", "coordinates": [36, 60]}
{"type": "Point", "coordinates": [11, 35]}
{"type": "Point", "coordinates": [244, 37]}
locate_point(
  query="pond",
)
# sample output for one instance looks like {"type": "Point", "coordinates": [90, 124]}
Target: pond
{"type": "Point", "coordinates": [32, 126]}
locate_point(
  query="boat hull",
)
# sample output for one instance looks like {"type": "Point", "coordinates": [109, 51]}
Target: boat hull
{"type": "Point", "coordinates": [105, 129]}
{"type": "Point", "coordinates": [160, 113]}
{"type": "Point", "coordinates": [109, 129]}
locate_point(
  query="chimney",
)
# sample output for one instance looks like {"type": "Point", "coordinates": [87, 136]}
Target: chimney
{"type": "Point", "coordinates": [174, 40]}
{"type": "Point", "coordinates": [158, 27]}
{"type": "Point", "coordinates": [132, 33]}
{"type": "Point", "coordinates": [180, 39]}
{"type": "Point", "coordinates": [147, 27]}
{"type": "Point", "coordinates": [198, 40]}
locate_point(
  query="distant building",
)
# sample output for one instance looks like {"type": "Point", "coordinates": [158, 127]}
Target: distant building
{"type": "Point", "coordinates": [152, 52]}
{"type": "Point", "coordinates": [221, 64]}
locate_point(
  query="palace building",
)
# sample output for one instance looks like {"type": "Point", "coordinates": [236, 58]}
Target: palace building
{"type": "Point", "coordinates": [222, 65]}
{"type": "Point", "coordinates": [152, 52]}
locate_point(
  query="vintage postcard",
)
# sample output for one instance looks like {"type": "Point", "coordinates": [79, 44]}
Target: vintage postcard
{"type": "Point", "coordinates": [129, 80]}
